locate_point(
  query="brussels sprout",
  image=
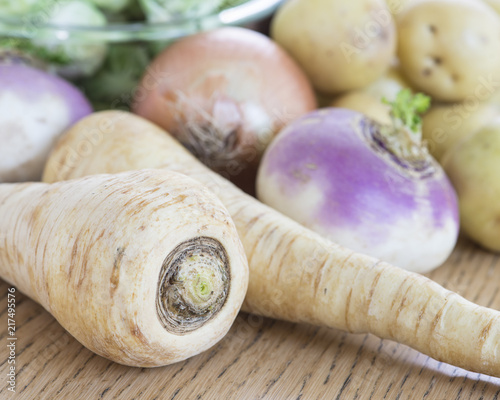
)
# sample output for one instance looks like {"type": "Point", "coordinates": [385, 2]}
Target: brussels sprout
{"type": "Point", "coordinates": [111, 5]}
{"type": "Point", "coordinates": [168, 10]}
{"type": "Point", "coordinates": [113, 85]}
{"type": "Point", "coordinates": [83, 58]}
{"type": "Point", "coordinates": [16, 8]}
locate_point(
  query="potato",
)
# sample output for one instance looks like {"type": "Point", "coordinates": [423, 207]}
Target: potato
{"type": "Point", "coordinates": [449, 49]}
{"type": "Point", "coordinates": [369, 99]}
{"type": "Point", "coordinates": [389, 85]}
{"type": "Point", "coordinates": [366, 103]}
{"type": "Point", "coordinates": [473, 166]}
{"type": "Point", "coordinates": [495, 4]}
{"type": "Point", "coordinates": [445, 125]}
{"type": "Point", "coordinates": [340, 45]}
{"type": "Point", "coordinates": [495, 99]}
{"type": "Point", "coordinates": [397, 6]}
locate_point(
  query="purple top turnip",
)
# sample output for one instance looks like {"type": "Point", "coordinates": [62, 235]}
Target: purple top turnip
{"type": "Point", "coordinates": [370, 187]}
{"type": "Point", "coordinates": [36, 107]}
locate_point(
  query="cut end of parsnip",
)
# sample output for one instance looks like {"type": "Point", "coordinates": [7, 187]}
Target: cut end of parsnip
{"type": "Point", "coordinates": [193, 286]}
{"type": "Point", "coordinates": [144, 268]}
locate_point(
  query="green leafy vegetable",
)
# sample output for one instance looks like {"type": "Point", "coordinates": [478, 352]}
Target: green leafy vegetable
{"type": "Point", "coordinates": [25, 46]}
{"type": "Point", "coordinates": [83, 58]}
{"type": "Point", "coordinates": [111, 5]}
{"type": "Point", "coordinates": [113, 85]}
{"type": "Point", "coordinates": [16, 8]}
{"type": "Point", "coordinates": [169, 10]}
{"type": "Point", "coordinates": [407, 108]}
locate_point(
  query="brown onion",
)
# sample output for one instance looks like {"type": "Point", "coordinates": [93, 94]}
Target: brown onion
{"type": "Point", "coordinates": [224, 94]}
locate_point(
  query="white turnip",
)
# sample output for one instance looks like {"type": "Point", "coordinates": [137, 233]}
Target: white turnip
{"type": "Point", "coordinates": [372, 188]}
{"type": "Point", "coordinates": [36, 108]}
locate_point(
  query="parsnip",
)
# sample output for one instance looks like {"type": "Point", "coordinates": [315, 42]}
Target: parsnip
{"type": "Point", "coordinates": [295, 274]}
{"type": "Point", "coordinates": [144, 268]}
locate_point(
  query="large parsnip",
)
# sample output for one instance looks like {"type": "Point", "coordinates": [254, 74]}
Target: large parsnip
{"type": "Point", "coordinates": [144, 268]}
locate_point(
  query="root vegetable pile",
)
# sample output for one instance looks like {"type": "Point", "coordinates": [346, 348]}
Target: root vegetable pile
{"type": "Point", "coordinates": [296, 274]}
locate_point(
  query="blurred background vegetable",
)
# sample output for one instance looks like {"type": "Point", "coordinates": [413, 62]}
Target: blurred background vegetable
{"type": "Point", "coordinates": [114, 84]}
{"type": "Point", "coordinates": [84, 39]}
{"type": "Point", "coordinates": [340, 45]}
{"type": "Point", "coordinates": [36, 108]}
{"type": "Point", "coordinates": [112, 5]}
{"type": "Point", "coordinates": [446, 47]}
{"type": "Point", "coordinates": [168, 10]}
{"type": "Point", "coordinates": [16, 7]}
{"type": "Point", "coordinates": [446, 124]}
{"type": "Point", "coordinates": [80, 59]}
{"type": "Point", "coordinates": [224, 94]}
{"type": "Point", "coordinates": [473, 166]}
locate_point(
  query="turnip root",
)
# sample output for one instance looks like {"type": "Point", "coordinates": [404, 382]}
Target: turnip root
{"type": "Point", "coordinates": [36, 108]}
{"type": "Point", "coordinates": [143, 268]}
{"type": "Point", "coordinates": [372, 188]}
{"type": "Point", "coordinates": [295, 274]}
{"type": "Point", "coordinates": [473, 166]}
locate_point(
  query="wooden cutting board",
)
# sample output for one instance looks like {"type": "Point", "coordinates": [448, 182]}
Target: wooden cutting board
{"type": "Point", "coordinates": [259, 359]}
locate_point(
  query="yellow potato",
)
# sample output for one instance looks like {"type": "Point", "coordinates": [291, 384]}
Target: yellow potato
{"type": "Point", "coordinates": [369, 99]}
{"type": "Point", "coordinates": [495, 98]}
{"type": "Point", "coordinates": [397, 6]}
{"type": "Point", "coordinates": [340, 45]}
{"type": "Point", "coordinates": [495, 4]}
{"type": "Point", "coordinates": [389, 85]}
{"type": "Point", "coordinates": [445, 125]}
{"type": "Point", "coordinates": [449, 49]}
{"type": "Point", "coordinates": [366, 103]}
{"type": "Point", "coordinates": [473, 166]}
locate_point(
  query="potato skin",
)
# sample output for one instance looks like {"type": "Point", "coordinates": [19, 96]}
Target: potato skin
{"type": "Point", "coordinates": [366, 103]}
{"type": "Point", "coordinates": [369, 99]}
{"type": "Point", "coordinates": [473, 166]}
{"type": "Point", "coordinates": [444, 125]}
{"type": "Point", "coordinates": [446, 47]}
{"type": "Point", "coordinates": [340, 45]}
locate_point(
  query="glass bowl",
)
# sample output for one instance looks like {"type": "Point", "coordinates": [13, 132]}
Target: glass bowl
{"type": "Point", "coordinates": [106, 62]}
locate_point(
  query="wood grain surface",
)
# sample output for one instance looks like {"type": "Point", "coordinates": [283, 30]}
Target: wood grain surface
{"type": "Point", "coordinates": [259, 359]}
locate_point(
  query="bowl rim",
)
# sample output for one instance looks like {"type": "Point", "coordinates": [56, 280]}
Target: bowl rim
{"type": "Point", "coordinates": [246, 12]}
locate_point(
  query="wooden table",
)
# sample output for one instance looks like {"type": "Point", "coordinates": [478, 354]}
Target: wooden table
{"type": "Point", "coordinates": [259, 359]}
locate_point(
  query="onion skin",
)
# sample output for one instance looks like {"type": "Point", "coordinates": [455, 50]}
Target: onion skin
{"type": "Point", "coordinates": [36, 108]}
{"type": "Point", "coordinates": [224, 94]}
{"type": "Point", "coordinates": [324, 173]}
